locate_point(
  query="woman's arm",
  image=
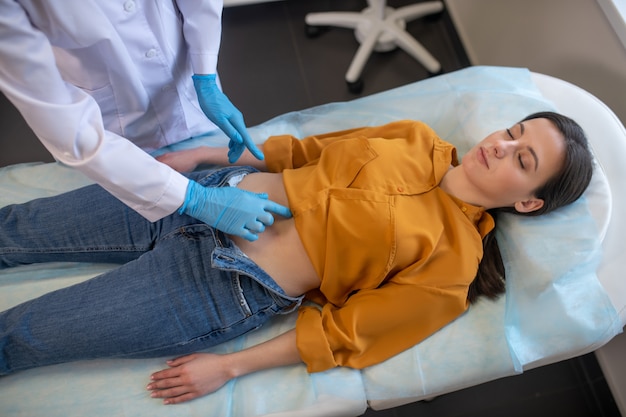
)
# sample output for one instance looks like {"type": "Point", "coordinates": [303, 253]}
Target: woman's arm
{"type": "Point", "coordinates": [195, 375]}
{"type": "Point", "coordinates": [189, 159]}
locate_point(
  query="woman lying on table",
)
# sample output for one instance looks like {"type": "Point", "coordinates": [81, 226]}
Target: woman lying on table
{"type": "Point", "coordinates": [390, 236]}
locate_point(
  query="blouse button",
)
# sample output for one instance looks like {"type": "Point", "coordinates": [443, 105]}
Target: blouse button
{"type": "Point", "coordinates": [463, 209]}
{"type": "Point", "coordinates": [400, 189]}
{"type": "Point", "coordinates": [151, 53]}
{"type": "Point", "coordinates": [129, 6]}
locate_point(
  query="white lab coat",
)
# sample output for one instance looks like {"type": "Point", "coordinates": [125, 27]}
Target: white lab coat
{"type": "Point", "coordinates": [100, 80]}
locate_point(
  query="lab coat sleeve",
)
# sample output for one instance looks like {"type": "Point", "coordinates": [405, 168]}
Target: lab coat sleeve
{"type": "Point", "coordinates": [202, 27]}
{"type": "Point", "coordinates": [69, 124]}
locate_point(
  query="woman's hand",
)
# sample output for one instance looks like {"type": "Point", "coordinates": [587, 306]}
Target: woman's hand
{"type": "Point", "coordinates": [190, 377]}
{"type": "Point", "coordinates": [182, 161]}
{"type": "Point", "coordinates": [195, 375]}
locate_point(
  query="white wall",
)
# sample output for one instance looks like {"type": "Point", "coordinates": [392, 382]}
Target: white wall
{"type": "Point", "coordinates": [569, 39]}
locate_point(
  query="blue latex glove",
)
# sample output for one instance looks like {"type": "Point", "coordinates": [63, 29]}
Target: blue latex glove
{"type": "Point", "coordinates": [231, 210]}
{"type": "Point", "coordinates": [218, 108]}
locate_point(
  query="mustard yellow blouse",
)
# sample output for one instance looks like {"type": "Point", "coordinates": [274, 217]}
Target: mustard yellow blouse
{"type": "Point", "coordinates": [395, 253]}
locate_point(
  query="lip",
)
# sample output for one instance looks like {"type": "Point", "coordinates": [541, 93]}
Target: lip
{"type": "Point", "coordinates": [482, 156]}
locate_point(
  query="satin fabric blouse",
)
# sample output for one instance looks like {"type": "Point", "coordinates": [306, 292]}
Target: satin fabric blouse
{"type": "Point", "coordinates": [395, 253]}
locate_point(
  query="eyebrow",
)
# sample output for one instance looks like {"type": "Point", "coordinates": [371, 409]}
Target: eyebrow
{"type": "Point", "coordinates": [531, 150]}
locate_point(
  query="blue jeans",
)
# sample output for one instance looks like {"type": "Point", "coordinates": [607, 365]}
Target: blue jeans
{"type": "Point", "coordinates": [182, 286]}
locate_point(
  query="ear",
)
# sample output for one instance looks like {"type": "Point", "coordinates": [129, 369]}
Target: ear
{"type": "Point", "coordinates": [529, 205]}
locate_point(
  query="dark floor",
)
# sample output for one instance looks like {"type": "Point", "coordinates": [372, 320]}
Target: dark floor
{"type": "Point", "coordinates": [572, 388]}
{"type": "Point", "coordinates": [269, 67]}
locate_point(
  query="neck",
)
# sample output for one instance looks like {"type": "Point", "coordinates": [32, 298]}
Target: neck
{"type": "Point", "coordinates": [456, 184]}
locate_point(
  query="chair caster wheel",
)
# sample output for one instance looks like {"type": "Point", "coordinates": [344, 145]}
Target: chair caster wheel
{"type": "Point", "coordinates": [313, 31]}
{"type": "Point", "coordinates": [355, 87]}
{"type": "Point", "coordinates": [434, 74]}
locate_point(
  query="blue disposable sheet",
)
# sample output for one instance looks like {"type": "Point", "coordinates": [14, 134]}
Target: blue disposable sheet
{"type": "Point", "coordinates": [554, 305]}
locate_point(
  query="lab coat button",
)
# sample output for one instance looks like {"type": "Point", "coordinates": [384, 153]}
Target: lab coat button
{"type": "Point", "coordinates": [129, 6]}
{"type": "Point", "coordinates": [151, 53]}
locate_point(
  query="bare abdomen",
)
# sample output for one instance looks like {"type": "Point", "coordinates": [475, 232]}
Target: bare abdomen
{"type": "Point", "coordinates": [279, 250]}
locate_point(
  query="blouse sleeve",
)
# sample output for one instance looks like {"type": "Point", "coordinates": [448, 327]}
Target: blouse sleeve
{"type": "Point", "coordinates": [288, 152]}
{"type": "Point", "coordinates": [375, 324]}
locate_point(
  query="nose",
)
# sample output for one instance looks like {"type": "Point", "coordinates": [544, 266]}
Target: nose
{"type": "Point", "coordinates": [503, 148]}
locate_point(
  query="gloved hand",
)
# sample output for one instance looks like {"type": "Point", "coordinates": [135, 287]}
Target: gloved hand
{"type": "Point", "coordinates": [218, 108]}
{"type": "Point", "coordinates": [231, 210]}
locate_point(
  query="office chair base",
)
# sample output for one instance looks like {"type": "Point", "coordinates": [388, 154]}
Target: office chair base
{"type": "Point", "coordinates": [379, 28]}
{"type": "Point", "coordinates": [355, 87]}
{"type": "Point", "coordinates": [385, 41]}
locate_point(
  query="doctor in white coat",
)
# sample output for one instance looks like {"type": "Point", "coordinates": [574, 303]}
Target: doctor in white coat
{"type": "Point", "coordinates": [100, 82]}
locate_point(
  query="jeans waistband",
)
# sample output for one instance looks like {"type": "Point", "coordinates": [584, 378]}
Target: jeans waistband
{"type": "Point", "coordinates": [219, 177]}
{"type": "Point", "coordinates": [228, 256]}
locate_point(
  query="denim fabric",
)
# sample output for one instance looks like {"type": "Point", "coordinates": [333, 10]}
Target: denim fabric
{"type": "Point", "coordinates": [183, 285]}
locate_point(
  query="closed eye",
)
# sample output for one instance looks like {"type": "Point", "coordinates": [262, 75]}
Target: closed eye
{"type": "Point", "coordinates": [519, 156]}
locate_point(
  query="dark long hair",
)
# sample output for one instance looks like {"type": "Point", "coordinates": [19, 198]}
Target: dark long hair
{"type": "Point", "coordinates": [565, 187]}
